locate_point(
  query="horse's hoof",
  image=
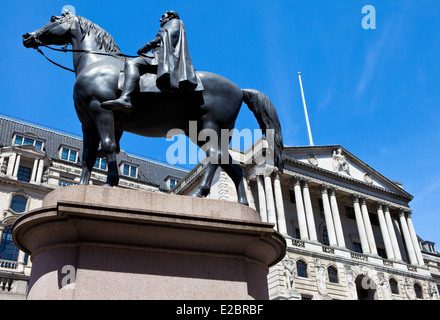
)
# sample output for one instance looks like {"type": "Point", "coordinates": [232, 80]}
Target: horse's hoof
{"type": "Point", "coordinates": [108, 185]}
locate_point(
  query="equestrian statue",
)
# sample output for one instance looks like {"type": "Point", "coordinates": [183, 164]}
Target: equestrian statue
{"type": "Point", "coordinates": [151, 94]}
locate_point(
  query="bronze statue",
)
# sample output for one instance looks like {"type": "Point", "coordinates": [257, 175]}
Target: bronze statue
{"type": "Point", "coordinates": [98, 62]}
{"type": "Point", "coordinates": [169, 58]}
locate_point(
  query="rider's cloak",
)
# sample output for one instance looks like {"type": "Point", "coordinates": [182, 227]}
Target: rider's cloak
{"type": "Point", "coordinates": [175, 68]}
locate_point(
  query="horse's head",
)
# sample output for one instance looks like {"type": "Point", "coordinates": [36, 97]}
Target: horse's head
{"type": "Point", "coordinates": [56, 31]}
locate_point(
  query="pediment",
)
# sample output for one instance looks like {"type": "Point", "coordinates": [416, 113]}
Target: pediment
{"type": "Point", "coordinates": [341, 163]}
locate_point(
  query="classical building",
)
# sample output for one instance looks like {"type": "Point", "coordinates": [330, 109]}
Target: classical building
{"type": "Point", "coordinates": [348, 228]}
{"type": "Point", "coordinates": [35, 161]}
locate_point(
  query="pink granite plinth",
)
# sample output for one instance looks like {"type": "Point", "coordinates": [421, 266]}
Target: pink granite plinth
{"type": "Point", "coordinates": [90, 242]}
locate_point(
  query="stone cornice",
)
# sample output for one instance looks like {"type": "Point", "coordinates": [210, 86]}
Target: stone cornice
{"type": "Point", "coordinates": [326, 173]}
{"type": "Point", "coordinates": [40, 188]}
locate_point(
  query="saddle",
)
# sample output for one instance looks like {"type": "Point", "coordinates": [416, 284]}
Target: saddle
{"type": "Point", "coordinates": [147, 83]}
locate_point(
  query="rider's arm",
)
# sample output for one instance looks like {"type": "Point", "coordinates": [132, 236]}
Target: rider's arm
{"type": "Point", "coordinates": [150, 45]}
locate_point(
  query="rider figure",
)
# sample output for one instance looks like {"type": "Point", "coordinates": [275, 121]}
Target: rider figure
{"type": "Point", "coordinates": [169, 59]}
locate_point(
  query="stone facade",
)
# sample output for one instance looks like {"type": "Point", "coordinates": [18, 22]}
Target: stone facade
{"type": "Point", "coordinates": [348, 228]}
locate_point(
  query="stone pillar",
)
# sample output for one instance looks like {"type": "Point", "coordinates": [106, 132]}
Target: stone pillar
{"type": "Point", "coordinates": [415, 242]}
{"type": "Point", "coordinates": [34, 170]}
{"type": "Point", "coordinates": [11, 164]}
{"type": "Point", "coordinates": [270, 204]}
{"type": "Point", "coordinates": [368, 228]}
{"type": "Point", "coordinates": [393, 237]}
{"type": "Point", "coordinates": [262, 199]}
{"type": "Point", "coordinates": [302, 222]}
{"type": "Point", "coordinates": [328, 217]}
{"type": "Point", "coordinates": [360, 225]}
{"type": "Point", "coordinates": [281, 217]}
{"type": "Point", "coordinates": [385, 234]}
{"type": "Point", "coordinates": [40, 171]}
{"type": "Point", "coordinates": [337, 219]}
{"type": "Point", "coordinates": [17, 165]}
{"type": "Point", "coordinates": [407, 238]}
{"type": "Point", "coordinates": [309, 212]}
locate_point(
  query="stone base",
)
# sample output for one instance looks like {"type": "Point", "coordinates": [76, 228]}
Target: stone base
{"type": "Point", "coordinates": [90, 242]}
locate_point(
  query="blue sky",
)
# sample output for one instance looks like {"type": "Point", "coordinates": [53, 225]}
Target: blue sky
{"type": "Point", "coordinates": [375, 92]}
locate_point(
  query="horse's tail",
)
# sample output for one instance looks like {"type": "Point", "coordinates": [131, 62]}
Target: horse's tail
{"type": "Point", "coordinates": [267, 118]}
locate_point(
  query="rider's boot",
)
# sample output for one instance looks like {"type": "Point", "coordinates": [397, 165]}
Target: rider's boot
{"type": "Point", "coordinates": [123, 103]}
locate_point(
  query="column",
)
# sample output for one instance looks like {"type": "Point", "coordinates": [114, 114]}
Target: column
{"type": "Point", "coordinates": [309, 212]}
{"type": "Point", "coordinates": [34, 170]}
{"type": "Point", "coordinates": [407, 238]}
{"type": "Point", "coordinates": [262, 199]}
{"type": "Point", "coordinates": [17, 164]}
{"type": "Point", "coordinates": [336, 218]}
{"type": "Point", "coordinates": [271, 214]}
{"type": "Point", "coordinates": [328, 217]}
{"type": "Point", "coordinates": [415, 242]}
{"type": "Point", "coordinates": [393, 237]}
{"type": "Point", "coordinates": [302, 222]}
{"type": "Point", "coordinates": [11, 163]}
{"type": "Point", "coordinates": [281, 218]}
{"type": "Point", "coordinates": [40, 171]}
{"type": "Point", "coordinates": [385, 234]}
{"type": "Point", "coordinates": [360, 225]}
{"type": "Point", "coordinates": [368, 228]}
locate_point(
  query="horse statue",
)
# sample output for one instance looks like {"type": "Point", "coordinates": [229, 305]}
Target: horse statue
{"type": "Point", "coordinates": [97, 64]}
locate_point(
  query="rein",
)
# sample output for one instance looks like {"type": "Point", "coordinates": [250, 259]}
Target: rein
{"type": "Point", "coordinates": [115, 55]}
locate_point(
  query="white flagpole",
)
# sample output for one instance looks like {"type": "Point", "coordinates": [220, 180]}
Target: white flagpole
{"type": "Point", "coordinates": [305, 110]}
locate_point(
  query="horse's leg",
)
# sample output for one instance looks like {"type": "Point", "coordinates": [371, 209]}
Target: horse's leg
{"type": "Point", "coordinates": [235, 171]}
{"type": "Point", "coordinates": [104, 121]}
{"type": "Point", "coordinates": [213, 153]}
{"type": "Point", "coordinates": [90, 147]}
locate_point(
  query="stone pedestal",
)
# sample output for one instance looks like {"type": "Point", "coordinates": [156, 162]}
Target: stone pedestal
{"type": "Point", "coordinates": [90, 242]}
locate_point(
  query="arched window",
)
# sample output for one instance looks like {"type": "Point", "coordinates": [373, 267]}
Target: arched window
{"type": "Point", "coordinates": [8, 250]}
{"type": "Point", "coordinates": [301, 268]}
{"type": "Point", "coordinates": [18, 203]}
{"type": "Point", "coordinates": [418, 291]}
{"type": "Point", "coordinates": [394, 286]}
{"type": "Point", "coordinates": [332, 274]}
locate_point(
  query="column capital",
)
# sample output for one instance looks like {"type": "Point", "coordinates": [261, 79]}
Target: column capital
{"type": "Point", "coordinates": [306, 182]}
{"type": "Point", "coordinates": [380, 205]}
{"type": "Point", "coordinates": [296, 180]}
{"type": "Point", "coordinates": [355, 197]}
{"type": "Point", "coordinates": [324, 188]}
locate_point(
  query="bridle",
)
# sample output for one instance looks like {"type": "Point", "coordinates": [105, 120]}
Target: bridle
{"type": "Point", "coordinates": [64, 49]}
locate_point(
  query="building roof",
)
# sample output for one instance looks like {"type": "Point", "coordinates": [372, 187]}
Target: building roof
{"type": "Point", "coordinates": [150, 171]}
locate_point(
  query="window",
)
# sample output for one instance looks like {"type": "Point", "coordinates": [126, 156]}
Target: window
{"type": "Point", "coordinates": [373, 219]}
{"type": "Point", "coordinates": [301, 268]}
{"type": "Point", "coordinates": [292, 196]}
{"type": "Point", "coordinates": [394, 286]}
{"type": "Point", "coordinates": [18, 203]}
{"type": "Point", "coordinates": [24, 174]}
{"type": "Point", "coordinates": [65, 181]}
{"type": "Point", "coordinates": [357, 247]}
{"type": "Point", "coordinates": [418, 291]}
{"type": "Point", "coordinates": [129, 170]}
{"type": "Point", "coordinates": [349, 211]}
{"type": "Point", "coordinates": [8, 250]}
{"type": "Point", "coordinates": [101, 163]}
{"type": "Point", "coordinates": [25, 141]}
{"type": "Point", "coordinates": [68, 154]}
{"type": "Point", "coordinates": [173, 182]}
{"type": "Point", "coordinates": [332, 274]}
{"type": "Point", "coordinates": [382, 253]}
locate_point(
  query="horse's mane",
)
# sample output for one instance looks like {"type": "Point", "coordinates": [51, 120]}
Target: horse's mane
{"type": "Point", "coordinates": [104, 40]}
